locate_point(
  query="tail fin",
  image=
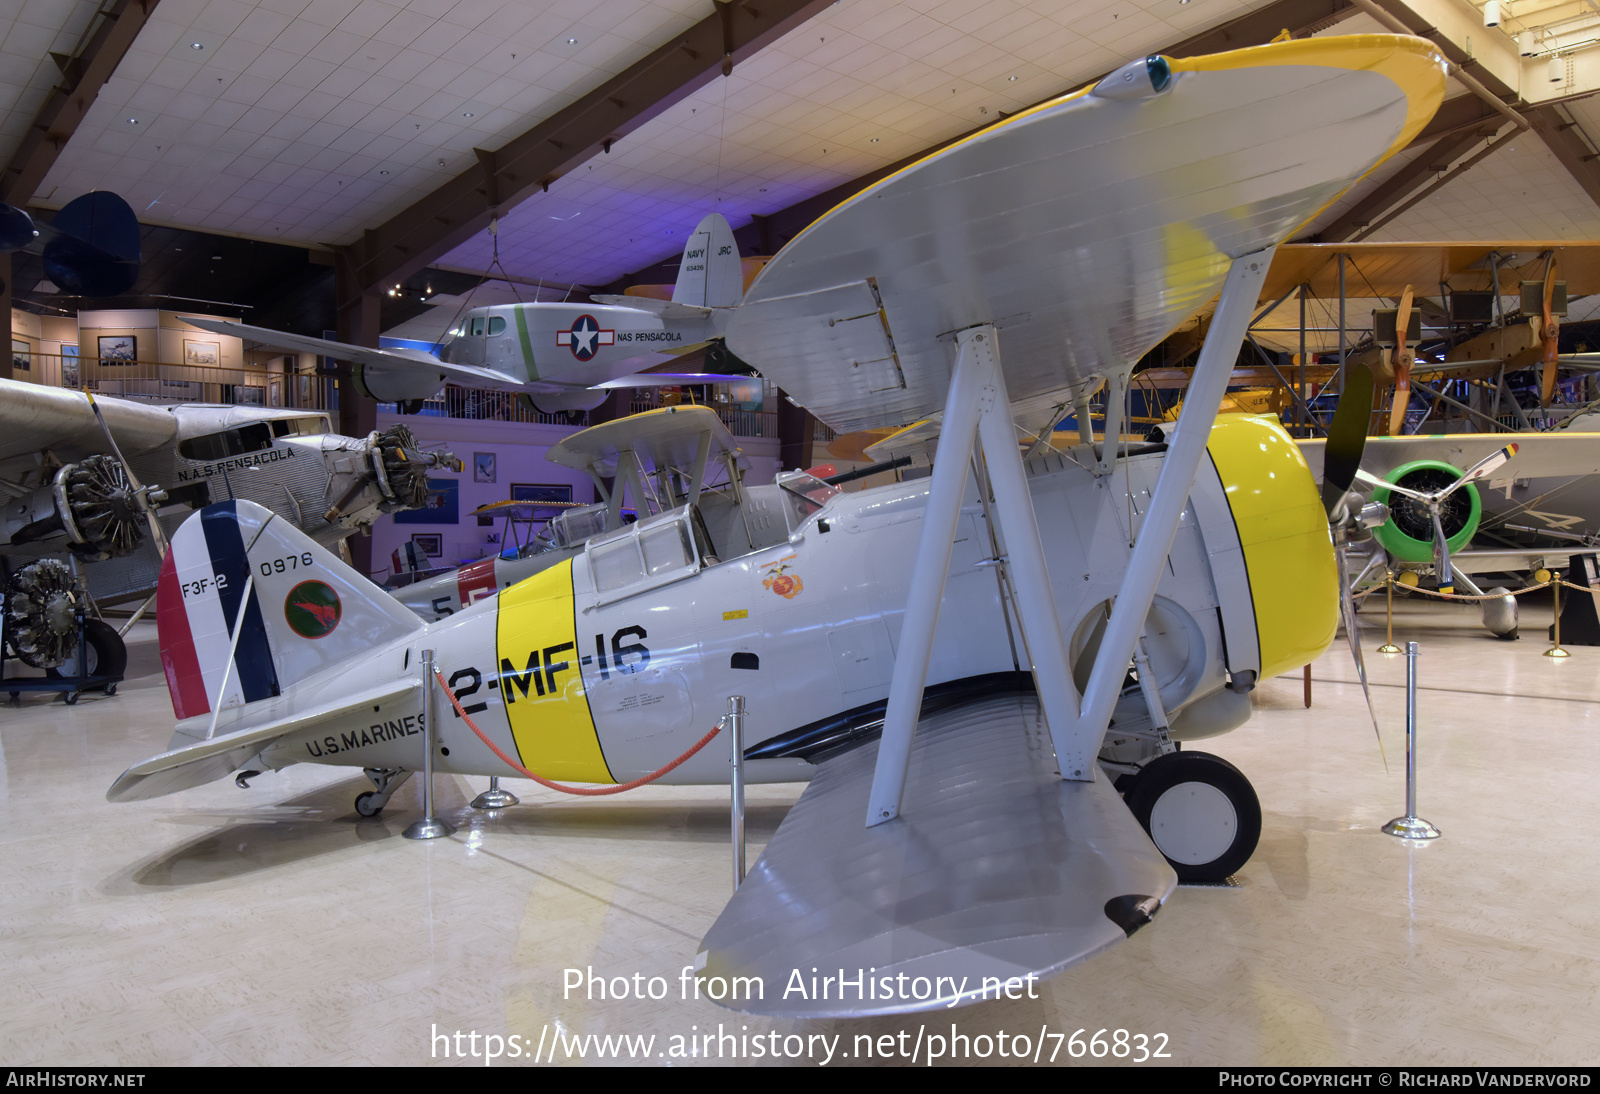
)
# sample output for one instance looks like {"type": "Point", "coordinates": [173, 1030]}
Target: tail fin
{"type": "Point", "coordinates": [711, 275]}
{"type": "Point", "coordinates": [296, 608]}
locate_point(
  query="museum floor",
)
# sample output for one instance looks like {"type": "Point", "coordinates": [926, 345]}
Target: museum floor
{"type": "Point", "coordinates": [272, 926]}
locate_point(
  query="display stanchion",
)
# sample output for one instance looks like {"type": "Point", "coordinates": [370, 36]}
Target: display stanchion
{"type": "Point", "coordinates": [1388, 645]}
{"type": "Point", "coordinates": [494, 797]}
{"type": "Point", "coordinates": [429, 826]}
{"type": "Point", "coordinates": [1411, 826]}
{"type": "Point", "coordinates": [1555, 633]}
{"type": "Point", "coordinates": [736, 731]}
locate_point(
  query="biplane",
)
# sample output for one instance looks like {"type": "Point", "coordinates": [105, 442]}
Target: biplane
{"type": "Point", "coordinates": [989, 724]}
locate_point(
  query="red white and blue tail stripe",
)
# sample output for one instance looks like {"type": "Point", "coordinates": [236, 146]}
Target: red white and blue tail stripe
{"type": "Point", "coordinates": [297, 610]}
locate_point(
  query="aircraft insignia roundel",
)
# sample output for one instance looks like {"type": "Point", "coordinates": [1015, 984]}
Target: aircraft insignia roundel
{"type": "Point", "coordinates": [312, 609]}
{"type": "Point", "coordinates": [585, 337]}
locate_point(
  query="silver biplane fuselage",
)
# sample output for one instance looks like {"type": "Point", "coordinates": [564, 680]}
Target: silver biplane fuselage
{"type": "Point", "coordinates": [596, 669]}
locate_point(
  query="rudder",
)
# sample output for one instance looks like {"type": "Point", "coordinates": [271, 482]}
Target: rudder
{"type": "Point", "coordinates": [297, 609]}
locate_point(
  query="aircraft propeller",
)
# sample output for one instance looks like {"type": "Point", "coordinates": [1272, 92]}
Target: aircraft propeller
{"type": "Point", "coordinates": [1549, 336]}
{"type": "Point", "coordinates": [143, 498]}
{"type": "Point", "coordinates": [1419, 508]}
{"type": "Point", "coordinates": [1402, 358]}
{"type": "Point", "coordinates": [1347, 439]}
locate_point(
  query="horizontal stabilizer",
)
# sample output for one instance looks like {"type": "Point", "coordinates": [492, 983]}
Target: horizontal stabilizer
{"type": "Point", "coordinates": [996, 869]}
{"type": "Point", "coordinates": [662, 309]}
{"type": "Point", "coordinates": [193, 765]}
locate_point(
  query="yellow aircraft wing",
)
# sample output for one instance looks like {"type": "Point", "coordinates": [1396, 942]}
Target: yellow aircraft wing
{"type": "Point", "coordinates": [1084, 229]}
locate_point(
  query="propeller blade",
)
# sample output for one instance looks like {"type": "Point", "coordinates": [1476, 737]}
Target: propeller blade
{"type": "Point", "coordinates": [1550, 334]}
{"type": "Point", "coordinates": [157, 536]}
{"type": "Point", "coordinates": [1352, 633]}
{"type": "Point", "coordinates": [1478, 470]}
{"type": "Point", "coordinates": [1402, 365]}
{"type": "Point", "coordinates": [1441, 556]}
{"type": "Point", "coordinates": [1405, 491]}
{"type": "Point", "coordinates": [1347, 437]}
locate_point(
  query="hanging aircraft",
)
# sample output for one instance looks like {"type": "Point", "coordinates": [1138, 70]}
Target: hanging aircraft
{"type": "Point", "coordinates": [72, 465]}
{"type": "Point", "coordinates": [561, 356]}
{"type": "Point", "coordinates": [959, 694]}
{"type": "Point", "coordinates": [91, 248]}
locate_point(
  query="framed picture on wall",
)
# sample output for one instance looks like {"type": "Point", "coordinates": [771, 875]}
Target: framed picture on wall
{"type": "Point", "coordinates": [431, 543]}
{"type": "Point", "coordinates": [118, 349]}
{"type": "Point", "coordinates": [22, 358]}
{"type": "Point", "coordinates": [483, 467]}
{"type": "Point", "coordinates": [69, 365]}
{"type": "Point", "coordinates": [201, 353]}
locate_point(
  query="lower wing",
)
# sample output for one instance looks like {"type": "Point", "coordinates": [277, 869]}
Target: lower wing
{"type": "Point", "coordinates": [997, 871]}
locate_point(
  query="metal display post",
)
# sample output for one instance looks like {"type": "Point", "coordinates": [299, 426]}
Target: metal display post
{"type": "Point", "coordinates": [1389, 646]}
{"type": "Point", "coordinates": [1411, 826]}
{"type": "Point", "coordinates": [736, 729]}
{"type": "Point", "coordinates": [428, 826]}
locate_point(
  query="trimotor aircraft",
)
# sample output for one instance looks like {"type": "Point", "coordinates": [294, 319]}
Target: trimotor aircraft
{"type": "Point", "coordinates": [72, 466]}
{"type": "Point", "coordinates": [959, 695]}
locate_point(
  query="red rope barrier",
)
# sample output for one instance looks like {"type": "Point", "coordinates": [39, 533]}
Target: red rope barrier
{"type": "Point", "coordinates": [583, 791]}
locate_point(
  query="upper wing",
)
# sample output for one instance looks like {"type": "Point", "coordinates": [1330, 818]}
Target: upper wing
{"type": "Point", "coordinates": [997, 868]}
{"type": "Point", "coordinates": [1084, 229]}
{"type": "Point", "coordinates": [34, 418]}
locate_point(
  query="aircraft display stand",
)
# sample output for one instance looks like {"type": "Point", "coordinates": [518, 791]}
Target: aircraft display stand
{"type": "Point", "coordinates": [70, 686]}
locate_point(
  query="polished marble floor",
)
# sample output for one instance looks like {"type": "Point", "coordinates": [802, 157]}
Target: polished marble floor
{"type": "Point", "coordinates": [274, 926]}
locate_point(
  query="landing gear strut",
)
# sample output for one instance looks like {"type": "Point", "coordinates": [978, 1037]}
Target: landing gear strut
{"type": "Point", "coordinates": [386, 780]}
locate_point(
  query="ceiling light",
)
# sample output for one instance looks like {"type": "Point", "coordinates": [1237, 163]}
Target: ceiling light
{"type": "Point", "coordinates": [1555, 70]}
{"type": "Point", "coordinates": [196, 45]}
{"type": "Point", "coordinates": [874, 140]}
{"type": "Point", "coordinates": [572, 41]}
{"type": "Point", "coordinates": [1013, 79]}
{"type": "Point", "coordinates": [466, 113]}
{"type": "Point", "coordinates": [1491, 13]}
{"type": "Point", "coordinates": [1525, 43]}
{"type": "Point", "coordinates": [216, 258]}
{"type": "Point", "coordinates": [133, 121]}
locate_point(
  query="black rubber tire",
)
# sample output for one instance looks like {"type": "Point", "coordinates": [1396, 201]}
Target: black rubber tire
{"type": "Point", "coordinates": [1170, 773]}
{"type": "Point", "coordinates": [108, 654]}
{"type": "Point", "coordinates": [361, 804]}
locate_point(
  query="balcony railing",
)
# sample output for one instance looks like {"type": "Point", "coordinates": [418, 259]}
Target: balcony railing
{"type": "Point", "coordinates": [158, 381]}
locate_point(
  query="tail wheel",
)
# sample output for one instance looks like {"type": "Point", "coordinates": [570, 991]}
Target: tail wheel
{"type": "Point", "coordinates": [107, 654]}
{"type": "Point", "coordinates": [1201, 813]}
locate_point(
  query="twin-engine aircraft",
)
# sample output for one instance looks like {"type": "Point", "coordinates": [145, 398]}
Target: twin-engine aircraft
{"type": "Point", "coordinates": [959, 694]}
{"type": "Point", "coordinates": [561, 356]}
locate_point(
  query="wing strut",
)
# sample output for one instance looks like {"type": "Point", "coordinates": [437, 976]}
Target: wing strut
{"type": "Point", "coordinates": [1200, 404]}
{"type": "Point", "coordinates": [977, 408]}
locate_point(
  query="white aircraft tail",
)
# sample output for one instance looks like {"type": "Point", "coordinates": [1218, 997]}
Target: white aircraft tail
{"type": "Point", "coordinates": [710, 276]}
{"type": "Point", "coordinates": [247, 606]}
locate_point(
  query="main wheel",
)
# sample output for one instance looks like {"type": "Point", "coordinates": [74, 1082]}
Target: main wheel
{"type": "Point", "coordinates": [1201, 813]}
